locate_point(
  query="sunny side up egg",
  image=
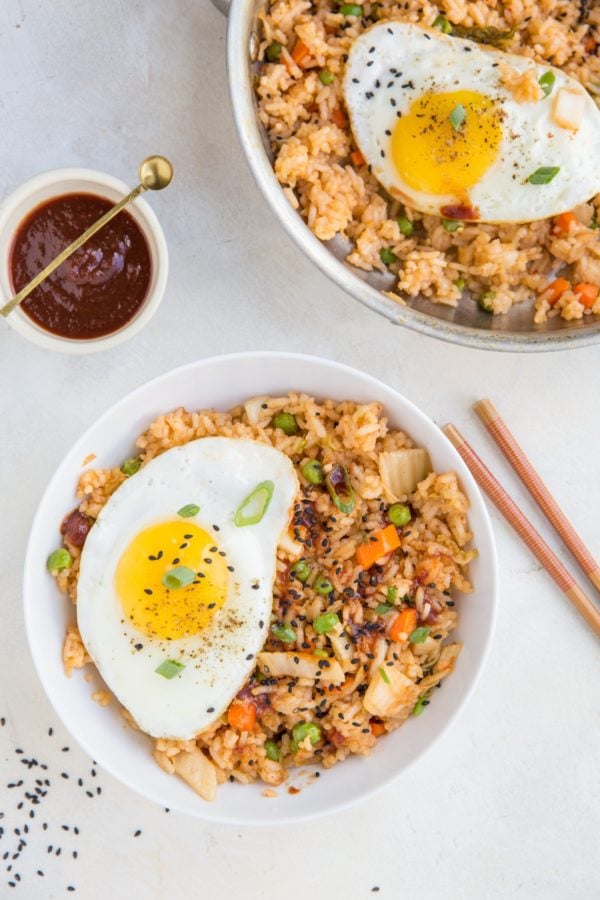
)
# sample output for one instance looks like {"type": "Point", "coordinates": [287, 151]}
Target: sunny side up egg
{"type": "Point", "coordinates": [436, 119]}
{"type": "Point", "coordinates": [175, 586]}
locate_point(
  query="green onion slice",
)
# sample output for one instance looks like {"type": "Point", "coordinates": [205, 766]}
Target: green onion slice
{"type": "Point", "coordinates": [419, 706]}
{"type": "Point", "coordinates": [301, 570]}
{"type": "Point", "coordinates": [169, 668]}
{"type": "Point", "coordinates": [419, 635]}
{"type": "Point", "coordinates": [443, 24]}
{"type": "Point", "coordinates": [457, 116]}
{"type": "Point", "coordinates": [451, 225]}
{"type": "Point", "coordinates": [322, 654]}
{"type": "Point", "coordinates": [131, 466]}
{"type": "Point", "coordinates": [392, 593]}
{"type": "Point", "coordinates": [383, 608]}
{"type": "Point", "coordinates": [284, 633]}
{"type": "Point", "coordinates": [253, 508]}
{"type": "Point", "coordinates": [544, 175]}
{"type": "Point", "coordinates": [546, 82]}
{"type": "Point", "coordinates": [340, 489]}
{"type": "Point", "coordinates": [178, 577]}
{"type": "Point", "coordinates": [384, 675]}
{"type": "Point", "coordinates": [351, 9]}
{"type": "Point", "coordinates": [186, 512]}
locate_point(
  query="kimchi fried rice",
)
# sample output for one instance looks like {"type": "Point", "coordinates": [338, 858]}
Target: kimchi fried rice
{"type": "Point", "coordinates": [362, 600]}
{"type": "Point", "coordinates": [303, 50]}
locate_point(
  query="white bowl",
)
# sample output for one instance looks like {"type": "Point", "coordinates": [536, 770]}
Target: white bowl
{"type": "Point", "coordinates": [222, 382]}
{"type": "Point", "coordinates": [18, 205]}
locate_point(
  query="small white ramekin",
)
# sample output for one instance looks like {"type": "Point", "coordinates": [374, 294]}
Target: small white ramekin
{"type": "Point", "coordinates": [41, 188]}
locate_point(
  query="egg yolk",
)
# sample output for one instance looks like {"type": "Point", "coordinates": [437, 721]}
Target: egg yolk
{"type": "Point", "coordinates": [171, 613]}
{"type": "Point", "coordinates": [434, 157]}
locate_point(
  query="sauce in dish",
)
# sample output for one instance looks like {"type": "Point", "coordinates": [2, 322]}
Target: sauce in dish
{"type": "Point", "coordinates": [101, 287]}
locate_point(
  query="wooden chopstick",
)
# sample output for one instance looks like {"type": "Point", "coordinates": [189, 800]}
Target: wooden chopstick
{"type": "Point", "coordinates": [525, 529]}
{"type": "Point", "coordinates": [509, 446]}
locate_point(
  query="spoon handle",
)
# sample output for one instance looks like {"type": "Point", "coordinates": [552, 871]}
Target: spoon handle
{"type": "Point", "coordinates": [77, 243]}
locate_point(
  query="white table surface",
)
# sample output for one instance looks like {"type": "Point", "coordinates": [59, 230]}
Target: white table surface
{"type": "Point", "coordinates": [507, 804]}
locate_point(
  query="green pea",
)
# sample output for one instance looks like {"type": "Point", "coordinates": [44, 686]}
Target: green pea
{"type": "Point", "coordinates": [399, 514]}
{"type": "Point", "coordinates": [313, 471]}
{"type": "Point", "coordinates": [274, 51]}
{"type": "Point", "coordinates": [284, 633]}
{"type": "Point", "coordinates": [301, 570]}
{"type": "Point", "coordinates": [485, 302]}
{"type": "Point", "coordinates": [59, 560]}
{"type": "Point", "coordinates": [131, 466]}
{"type": "Point", "coordinates": [325, 622]}
{"type": "Point", "coordinates": [405, 225]}
{"type": "Point", "coordinates": [286, 422]}
{"type": "Point", "coordinates": [272, 751]}
{"type": "Point", "coordinates": [322, 585]}
{"type": "Point", "coordinates": [443, 24]}
{"type": "Point", "coordinates": [451, 225]}
{"type": "Point", "coordinates": [460, 284]}
{"type": "Point", "coordinates": [387, 256]}
{"type": "Point", "coordinates": [351, 9]}
{"type": "Point", "coordinates": [305, 730]}
{"type": "Point", "coordinates": [326, 77]}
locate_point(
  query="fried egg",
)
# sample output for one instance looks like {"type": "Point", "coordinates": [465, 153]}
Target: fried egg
{"type": "Point", "coordinates": [444, 127]}
{"type": "Point", "coordinates": [174, 598]}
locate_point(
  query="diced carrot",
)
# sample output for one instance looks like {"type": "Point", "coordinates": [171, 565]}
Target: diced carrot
{"type": "Point", "coordinates": [565, 221]}
{"type": "Point", "coordinates": [241, 715]}
{"type": "Point", "coordinates": [382, 542]}
{"type": "Point", "coordinates": [589, 44]}
{"type": "Point", "coordinates": [339, 118]}
{"type": "Point", "coordinates": [377, 729]}
{"type": "Point", "coordinates": [586, 293]}
{"type": "Point", "coordinates": [299, 52]}
{"type": "Point", "coordinates": [404, 624]}
{"type": "Point", "coordinates": [556, 289]}
{"type": "Point", "coordinates": [357, 158]}
{"type": "Point", "coordinates": [340, 688]}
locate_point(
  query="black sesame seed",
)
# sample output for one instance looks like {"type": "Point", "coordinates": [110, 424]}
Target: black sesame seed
{"type": "Point", "coordinates": [137, 833]}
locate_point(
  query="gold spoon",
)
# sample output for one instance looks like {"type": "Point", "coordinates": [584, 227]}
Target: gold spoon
{"type": "Point", "coordinates": [155, 173]}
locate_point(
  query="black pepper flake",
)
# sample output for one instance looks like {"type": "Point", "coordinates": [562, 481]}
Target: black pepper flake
{"type": "Point", "coordinates": [136, 647]}
{"type": "Point", "coordinates": [148, 591]}
{"type": "Point", "coordinates": [355, 81]}
{"type": "Point", "coordinates": [250, 656]}
{"type": "Point", "coordinates": [370, 63]}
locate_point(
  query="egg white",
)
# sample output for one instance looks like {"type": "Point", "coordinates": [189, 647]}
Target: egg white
{"type": "Point", "coordinates": [217, 474]}
{"type": "Point", "coordinates": [430, 61]}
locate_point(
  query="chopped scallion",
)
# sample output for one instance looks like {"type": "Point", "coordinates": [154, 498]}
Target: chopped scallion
{"type": "Point", "coordinates": [340, 489]}
{"type": "Point", "coordinates": [405, 225]}
{"type": "Point", "coordinates": [131, 466]}
{"type": "Point", "coordinates": [544, 175]}
{"type": "Point", "coordinates": [253, 508]}
{"type": "Point", "coordinates": [451, 225]}
{"type": "Point", "coordinates": [384, 675]}
{"type": "Point", "coordinates": [392, 593]}
{"type": "Point", "coordinates": [272, 751]}
{"type": "Point", "coordinates": [419, 706]}
{"type": "Point", "coordinates": [322, 586]}
{"type": "Point", "coordinates": [301, 570]}
{"type": "Point", "coordinates": [546, 82]}
{"type": "Point", "coordinates": [178, 577]}
{"type": "Point", "coordinates": [351, 9]}
{"type": "Point", "coordinates": [443, 24]}
{"type": "Point", "coordinates": [283, 632]}
{"type": "Point", "coordinates": [383, 608]}
{"type": "Point", "coordinates": [189, 510]}
{"type": "Point", "coordinates": [457, 116]}
{"type": "Point", "coordinates": [169, 668]}
{"type": "Point", "coordinates": [419, 635]}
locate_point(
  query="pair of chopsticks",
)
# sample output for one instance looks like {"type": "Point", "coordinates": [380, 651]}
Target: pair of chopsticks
{"type": "Point", "coordinates": [509, 446]}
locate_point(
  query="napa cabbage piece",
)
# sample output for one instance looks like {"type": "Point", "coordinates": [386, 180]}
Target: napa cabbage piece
{"type": "Point", "coordinates": [402, 470]}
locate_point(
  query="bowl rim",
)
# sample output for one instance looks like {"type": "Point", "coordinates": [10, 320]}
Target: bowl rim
{"type": "Point", "coordinates": [246, 120]}
{"type": "Point", "coordinates": [469, 485]}
{"type": "Point", "coordinates": [26, 195]}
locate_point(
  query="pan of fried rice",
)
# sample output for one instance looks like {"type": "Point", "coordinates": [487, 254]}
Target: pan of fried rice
{"type": "Point", "coordinates": [362, 635]}
{"type": "Point", "coordinates": [519, 285]}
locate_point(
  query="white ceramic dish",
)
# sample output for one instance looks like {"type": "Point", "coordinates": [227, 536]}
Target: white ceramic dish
{"type": "Point", "coordinates": [18, 205]}
{"type": "Point", "coordinates": [222, 382]}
